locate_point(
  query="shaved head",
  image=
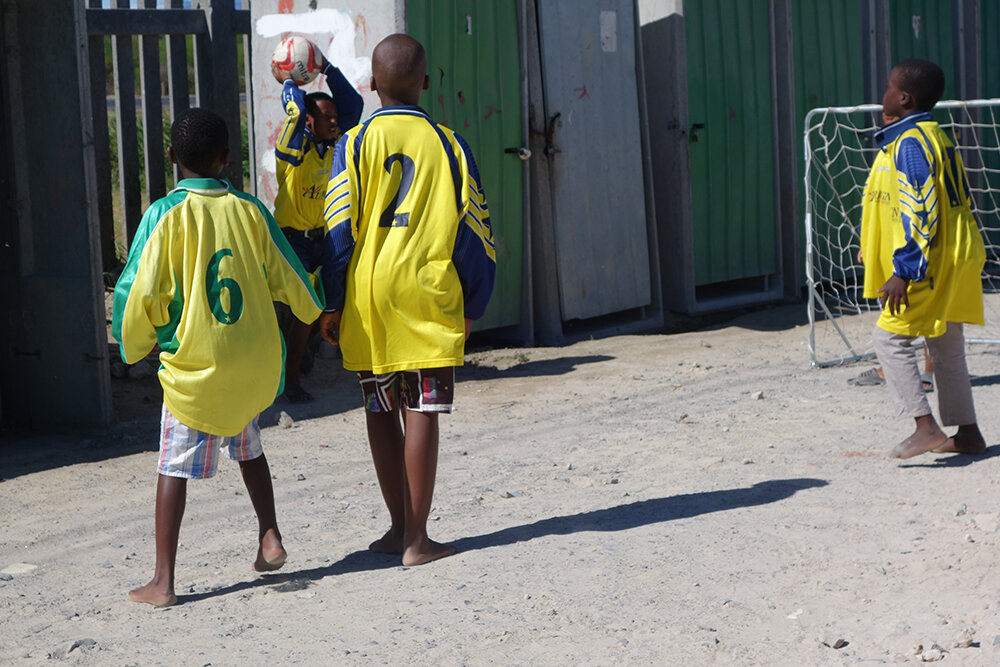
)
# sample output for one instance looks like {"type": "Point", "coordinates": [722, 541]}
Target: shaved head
{"type": "Point", "coordinates": [399, 68]}
{"type": "Point", "coordinates": [923, 80]}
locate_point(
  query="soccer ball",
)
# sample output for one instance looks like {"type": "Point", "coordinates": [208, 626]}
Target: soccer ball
{"type": "Point", "coordinates": [298, 58]}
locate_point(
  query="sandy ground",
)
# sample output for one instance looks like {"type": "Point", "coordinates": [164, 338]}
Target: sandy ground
{"type": "Point", "coordinates": [690, 499]}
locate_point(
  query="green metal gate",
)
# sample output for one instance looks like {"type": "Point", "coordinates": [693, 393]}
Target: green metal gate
{"type": "Point", "coordinates": [990, 46]}
{"type": "Point", "coordinates": [828, 73]}
{"type": "Point", "coordinates": [475, 89]}
{"type": "Point", "coordinates": [732, 161]}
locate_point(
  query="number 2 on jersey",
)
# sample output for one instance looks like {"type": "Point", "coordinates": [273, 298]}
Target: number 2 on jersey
{"type": "Point", "coordinates": [389, 217]}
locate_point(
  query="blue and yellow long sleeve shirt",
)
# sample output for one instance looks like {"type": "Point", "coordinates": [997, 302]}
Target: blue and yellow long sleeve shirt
{"type": "Point", "coordinates": [409, 248]}
{"type": "Point", "coordinates": [302, 163]}
{"type": "Point", "coordinates": [917, 223]}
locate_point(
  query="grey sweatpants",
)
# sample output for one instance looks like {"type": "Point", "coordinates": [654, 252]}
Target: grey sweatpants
{"type": "Point", "coordinates": [898, 358]}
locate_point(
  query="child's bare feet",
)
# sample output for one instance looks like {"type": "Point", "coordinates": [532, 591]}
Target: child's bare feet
{"type": "Point", "coordinates": [271, 554]}
{"type": "Point", "coordinates": [426, 551]}
{"type": "Point", "coordinates": [390, 543]}
{"type": "Point", "coordinates": [154, 594]}
{"type": "Point", "coordinates": [927, 436]}
{"type": "Point", "coordinates": [968, 440]}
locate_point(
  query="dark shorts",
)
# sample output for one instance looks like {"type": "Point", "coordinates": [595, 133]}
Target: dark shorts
{"type": "Point", "coordinates": [430, 390]}
{"type": "Point", "coordinates": [308, 247]}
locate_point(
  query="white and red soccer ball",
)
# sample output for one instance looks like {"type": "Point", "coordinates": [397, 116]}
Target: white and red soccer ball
{"type": "Point", "coordinates": [298, 58]}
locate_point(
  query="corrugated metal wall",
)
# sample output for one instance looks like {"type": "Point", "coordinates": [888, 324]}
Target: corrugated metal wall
{"type": "Point", "coordinates": [828, 69]}
{"type": "Point", "coordinates": [732, 163]}
{"type": "Point", "coordinates": [923, 29]}
{"type": "Point", "coordinates": [989, 35]}
{"type": "Point", "coordinates": [475, 89]}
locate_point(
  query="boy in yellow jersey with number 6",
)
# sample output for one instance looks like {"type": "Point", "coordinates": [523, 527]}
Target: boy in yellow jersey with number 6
{"type": "Point", "coordinates": [206, 264]}
{"type": "Point", "coordinates": [408, 263]}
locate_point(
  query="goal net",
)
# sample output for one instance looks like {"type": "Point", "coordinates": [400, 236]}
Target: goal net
{"type": "Point", "coordinates": [839, 149]}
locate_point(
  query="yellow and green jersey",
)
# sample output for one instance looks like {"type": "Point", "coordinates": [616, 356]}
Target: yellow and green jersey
{"type": "Point", "coordinates": [205, 266]}
{"type": "Point", "coordinates": [409, 249]}
{"type": "Point", "coordinates": [917, 224]}
{"type": "Point", "coordinates": [303, 164]}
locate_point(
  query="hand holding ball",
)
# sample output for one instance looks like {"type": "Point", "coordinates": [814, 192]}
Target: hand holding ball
{"type": "Point", "coordinates": [298, 59]}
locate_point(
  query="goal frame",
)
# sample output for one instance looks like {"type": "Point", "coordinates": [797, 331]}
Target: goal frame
{"type": "Point", "coordinates": [813, 282]}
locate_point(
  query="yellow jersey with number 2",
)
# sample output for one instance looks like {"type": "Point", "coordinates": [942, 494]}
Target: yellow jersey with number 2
{"type": "Point", "coordinates": [409, 250]}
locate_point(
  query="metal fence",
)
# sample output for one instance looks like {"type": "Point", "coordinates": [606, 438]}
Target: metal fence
{"type": "Point", "coordinates": [183, 55]}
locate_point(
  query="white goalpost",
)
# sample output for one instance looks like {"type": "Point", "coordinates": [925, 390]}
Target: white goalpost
{"type": "Point", "coordinates": [839, 150]}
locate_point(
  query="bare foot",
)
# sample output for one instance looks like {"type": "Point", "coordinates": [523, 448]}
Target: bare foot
{"type": "Point", "coordinates": [158, 596]}
{"type": "Point", "coordinates": [271, 554]}
{"type": "Point", "coordinates": [968, 440]}
{"type": "Point", "coordinates": [390, 543]}
{"type": "Point", "coordinates": [425, 552]}
{"type": "Point", "coordinates": [923, 440]}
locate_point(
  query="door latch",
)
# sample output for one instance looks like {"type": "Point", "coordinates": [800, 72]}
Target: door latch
{"type": "Point", "coordinates": [522, 152]}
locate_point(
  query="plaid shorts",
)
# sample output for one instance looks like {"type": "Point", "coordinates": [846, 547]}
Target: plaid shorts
{"type": "Point", "coordinates": [430, 390]}
{"type": "Point", "coordinates": [193, 454]}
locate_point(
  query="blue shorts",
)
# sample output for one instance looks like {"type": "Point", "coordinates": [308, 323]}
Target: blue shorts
{"type": "Point", "coordinates": [193, 454]}
{"type": "Point", "coordinates": [308, 246]}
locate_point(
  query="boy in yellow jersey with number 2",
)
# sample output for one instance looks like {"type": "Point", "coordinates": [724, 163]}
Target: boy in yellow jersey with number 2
{"type": "Point", "coordinates": [205, 266]}
{"type": "Point", "coordinates": [923, 257]}
{"type": "Point", "coordinates": [408, 263]}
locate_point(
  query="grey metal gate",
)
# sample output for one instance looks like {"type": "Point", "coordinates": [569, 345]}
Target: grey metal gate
{"type": "Point", "coordinates": [598, 194]}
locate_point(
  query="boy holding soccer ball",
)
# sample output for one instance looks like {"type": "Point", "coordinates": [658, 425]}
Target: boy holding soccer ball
{"type": "Point", "coordinates": [205, 266]}
{"type": "Point", "coordinates": [923, 255]}
{"type": "Point", "coordinates": [409, 262]}
{"type": "Point", "coordinates": [313, 123]}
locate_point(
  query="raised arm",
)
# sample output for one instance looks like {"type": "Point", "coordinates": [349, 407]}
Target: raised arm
{"type": "Point", "coordinates": [290, 146]}
{"type": "Point", "coordinates": [345, 97]}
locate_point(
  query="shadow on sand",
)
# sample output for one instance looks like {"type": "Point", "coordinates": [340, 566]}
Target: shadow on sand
{"type": "Point", "coordinates": [954, 460]}
{"type": "Point", "coordinates": [984, 380]}
{"type": "Point", "coordinates": [539, 368]}
{"type": "Point", "coordinates": [137, 406]}
{"type": "Point", "coordinates": [621, 517]}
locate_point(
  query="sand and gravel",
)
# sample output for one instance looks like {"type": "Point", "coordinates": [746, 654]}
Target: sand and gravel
{"type": "Point", "coordinates": [698, 498]}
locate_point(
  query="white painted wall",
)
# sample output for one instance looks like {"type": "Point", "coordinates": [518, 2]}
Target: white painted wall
{"type": "Point", "coordinates": [347, 32]}
{"type": "Point", "coordinates": [654, 10]}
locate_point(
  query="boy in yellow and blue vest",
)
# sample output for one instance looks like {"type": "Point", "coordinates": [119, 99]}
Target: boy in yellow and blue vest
{"type": "Point", "coordinates": [409, 263]}
{"type": "Point", "coordinates": [923, 256]}
{"type": "Point", "coordinates": [206, 264]}
{"type": "Point", "coordinates": [313, 123]}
